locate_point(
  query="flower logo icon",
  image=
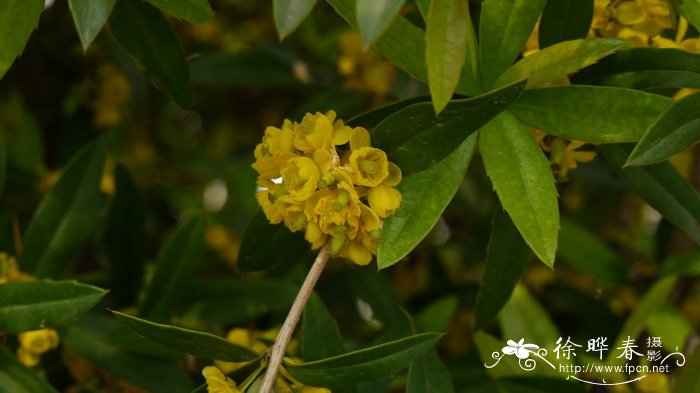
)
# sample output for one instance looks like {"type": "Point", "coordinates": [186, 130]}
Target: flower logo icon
{"type": "Point", "coordinates": [519, 349]}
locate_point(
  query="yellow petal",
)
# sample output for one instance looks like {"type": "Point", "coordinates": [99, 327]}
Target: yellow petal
{"type": "Point", "coordinates": [394, 177]}
{"type": "Point", "coordinates": [630, 13]}
{"type": "Point", "coordinates": [384, 200]}
{"type": "Point", "coordinates": [357, 253]}
{"type": "Point", "coordinates": [359, 138]}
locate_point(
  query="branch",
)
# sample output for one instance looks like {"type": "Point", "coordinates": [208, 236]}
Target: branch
{"type": "Point", "coordinates": [279, 347]}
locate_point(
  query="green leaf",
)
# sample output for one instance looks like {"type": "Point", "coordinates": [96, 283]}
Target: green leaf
{"type": "Point", "coordinates": [321, 337]}
{"type": "Point", "coordinates": [403, 44]}
{"type": "Point", "coordinates": [427, 374]}
{"type": "Point", "coordinates": [124, 239]}
{"type": "Point", "coordinates": [36, 304]}
{"type": "Point", "coordinates": [650, 303]}
{"type": "Point", "coordinates": [89, 17]}
{"type": "Point", "coordinates": [436, 317]}
{"type": "Point", "coordinates": [445, 48]}
{"type": "Point", "coordinates": [670, 323]}
{"type": "Point", "coordinates": [687, 376]}
{"type": "Point", "coordinates": [17, 378]}
{"type": "Point", "coordinates": [371, 118]}
{"type": "Point", "coordinates": [564, 20]}
{"type": "Point", "coordinates": [523, 180]}
{"type": "Point", "coordinates": [590, 113]}
{"type": "Point", "coordinates": [414, 138]}
{"type": "Point", "coordinates": [145, 33]}
{"type": "Point", "coordinates": [662, 187]}
{"type": "Point", "coordinates": [647, 80]}
{"type": "Point", "coordinates": [425, 196]}
{"type": "Point", "coordinates": [289, 14]}
{"type": "Point", "coordinates": [673, 131]}
{"type": "Point", "coordinates": [18, 18]}
{"type": "Point", "coordinates": [177, 265]}
{"type": "Point", "coordinates": [559, 60]}
{"type": "Point", "coordinates": [67, 215]}
{"type": "Point", "coordinates": [640, 60]}
{"type": "Point", "coordinates": [684, 264]}
{"type": "Point", "coordinates": [262, 241]}
{"type": "Point", "coordinates": [195, 11]}
{"type": "Point", "coordinates": [585, 252]}
{"type": "Point", "coordinates": [374, 16]}
{"type": "Point", "coordinates": [506, 257]}
{"type": "Point", "coordinates": [524, 317]}
{"type": "Point", "coordinates": [189, 341]}
{"type": "Point", "coordinates": [3, 165]}
{"type": "Point", "coordinates": [504, 28]}
{"type": "Point", "coordinates": [365, 365]}
{"type": "Point", "coordinates": [91, 338]}
{"type": "Point", "coordinates": [690, 10]}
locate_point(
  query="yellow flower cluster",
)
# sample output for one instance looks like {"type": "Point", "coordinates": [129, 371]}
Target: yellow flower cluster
{"type": "Point", "coordinates": [364, 69]}
{"type": "Point", "coordinates": [34, 343]}
{"type": "Point", "coordinates": [632, 20]}
{"type": "Point", "coordinates": [323, 177]}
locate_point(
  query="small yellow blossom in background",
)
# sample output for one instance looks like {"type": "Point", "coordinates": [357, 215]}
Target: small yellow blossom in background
{"type": "Point", "coordinates": [34, 343]}
{"type": "Point", "coordinates": [8, 268]}
{"type": "Point", "coordinates": [113, 94]}
{"type": "Point", "coordinates": [247, 338]}
{"type": "Point", "coordinates": [217, 382]}
{"type": "Point", "coordinates": [364, 70]}
{"type": "Point", "coordinates": [323, 177]}
{"type": "Point", "coordinates": [563, 156]}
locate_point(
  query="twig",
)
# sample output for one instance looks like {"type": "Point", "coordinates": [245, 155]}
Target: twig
{"type": "Point", "coordinates": [279, 347]}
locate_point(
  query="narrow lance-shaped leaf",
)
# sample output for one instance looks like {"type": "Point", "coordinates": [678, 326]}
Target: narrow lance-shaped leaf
{"type": "Point", "coordinates": [662, 187]}
{"type": "Point", "coordinates": [639, 60]}
{"type": "Point", "coordinates": [559, 60]}
{"type": "Point", "coordinates": [590, 113]}
{"type": "Point", "coordinates": [445, 48]}
{"type": "Point", "coordinates": [427, 374]}
{"type": "Point", "coordinates": [364, 365]}
{"type": "Point", "coordinates": [66, 216]}
{"type": "Point", "coordinates": [177, 264]}
{"type": "Point", "coordinates": [578, 247]}
{"type": "Point", "coordinates": [425, 196]}
{"type": "Point", "coordinates": [321, 336]}
{"type": "Point", "coordinates": [289, 14]}
{"type": "Point", "coordinates": [91, 338]}
{"type": "Point", "coordinates": [3, 165]}
{"type": "Point", "coordinates": [503, 30]}
{"type": "Point", "coordinates": [506, 257]}
{"type": "Point", "coordinates": [33, 305]}
{"type": "Point", "coordinates": [18, 18]}
{"type": "Point", "coordinates": [89, 17]}
{"type": "Point", "coordinates": [146, 34]}
{"type": "Point", "coordinates": [189, 341]}
{"type": "Point", "coordinates": [195, 11]}
{"type": "Point", "coordinates": [523, 180]}
{"type": "Point", "coordinates": [415, 138]}
{"type": "Point", "coordinates": [673, 131]}
{"type": "Point", "coordinates": [17, 378]}
{"type": "Point", "coordinates": [564, 20]}
{"type": "Point", "coordinates": [124, 240]}
{"type": "Point", "coordinates": [647, 306]}
{"type": "Point", "coordinates": [374, 16]}
{"type": "Point", "coordinates": [403, 44]}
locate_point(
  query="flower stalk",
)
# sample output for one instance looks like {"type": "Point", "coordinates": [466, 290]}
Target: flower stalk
{"type": "Point", "coordinates": [279, 347]}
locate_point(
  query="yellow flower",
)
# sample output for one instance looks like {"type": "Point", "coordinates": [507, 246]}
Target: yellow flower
{"type": "Point", "coordinates": [369, 166]}
{"type": "Point", "coordinates": [300, 177]}
{"type": "Point", "coordinates": [8, 268]}
{"type": "Point", "coordinates": [34, 343]}
{"type": "Point", "coordinates": [217, 382]}
{"type": "Point", "coordinates": [384, 200]}
{"type": "Point", "coordinates": [245, 337]}
{"type": "Point", "coordinates": [323, 177]}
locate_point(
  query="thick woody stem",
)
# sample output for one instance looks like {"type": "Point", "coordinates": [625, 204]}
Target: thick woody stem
{"type": "Point", "coordinates": [279, 347]}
